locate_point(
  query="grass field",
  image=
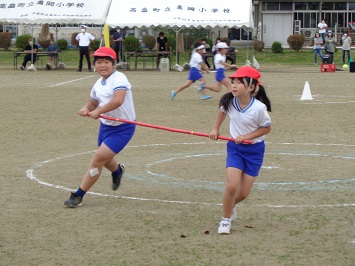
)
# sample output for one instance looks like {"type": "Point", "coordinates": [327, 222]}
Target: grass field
{"type": "Point", "coordinates": [301, 210]}
{"type": "Point", "coordinates": [287, 57]}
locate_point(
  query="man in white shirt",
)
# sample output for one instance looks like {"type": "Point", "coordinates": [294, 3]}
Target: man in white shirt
{"type": "Point", "coordinates": [84, 38]}
{"type": "Point", "coordinates": [322, 26]}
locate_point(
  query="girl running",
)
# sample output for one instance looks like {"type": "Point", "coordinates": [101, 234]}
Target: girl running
{"type": "Point", "coordinates": [220, 65]}
{"type": "Point", "coordinates": [196, 63]}
{"type": "Point", "coordinates": [247, 107]}
{"type": "Point", "coordinates": [111, 95]}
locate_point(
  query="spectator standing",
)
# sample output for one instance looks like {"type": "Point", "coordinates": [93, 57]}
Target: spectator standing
{"type": "Point", "coordinates": [322, 26]}
{"type": "Point", "coordinates": [31, 49]}
{"type": "Point", "coordinates": [84, 38]}
{"type": "Point", "coordinates": [346, 41]}
{"type": "Point", "coordinates": [118, 39]}
{"type": "Point", "coordinates": [330, 44]}
{"type": "Point", "coordinates": [53, 49]}
{"type": "Point", "coordinates": [162, 46]}
{"type": "Point", "coordinates": [317, 48]}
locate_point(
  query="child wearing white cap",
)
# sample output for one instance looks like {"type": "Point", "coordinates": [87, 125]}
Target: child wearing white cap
{"type": "Point", "coordinates": [220, 64]}
{"type": "Point", "coordinates": [196, 63]}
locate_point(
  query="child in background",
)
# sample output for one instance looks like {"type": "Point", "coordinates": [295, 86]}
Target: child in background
{"type": "Point", "coordinates": [111, 95]}
{"type": "Point", "coordinates": [220, 64]}
{"type": "Point", "coordinates": [247, 107]}
{"type": "Point", "coordinates": [196, 63]}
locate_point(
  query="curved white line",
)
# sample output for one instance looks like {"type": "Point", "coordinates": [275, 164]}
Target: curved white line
{"type": "Point", "coordinates": [31, 176]}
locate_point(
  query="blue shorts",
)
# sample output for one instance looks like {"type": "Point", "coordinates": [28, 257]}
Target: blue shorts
{"type": "Point", "coordinates": [194, 74]}
{"type": "Point", "coordinates": [220, 74]}
{"type": "Point", "coordinates": [115, 137]}
{"type": "Point", "coordinates": [245, 157]}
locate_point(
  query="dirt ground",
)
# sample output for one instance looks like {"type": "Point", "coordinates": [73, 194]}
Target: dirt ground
{"type": "Point", "coordinates": [301, 210]}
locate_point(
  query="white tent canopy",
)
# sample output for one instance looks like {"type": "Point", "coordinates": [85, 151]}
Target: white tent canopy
{"type": "Point", "coordinates": [54, 12]}
{"type": "Point", "coordinates": [180, 13]}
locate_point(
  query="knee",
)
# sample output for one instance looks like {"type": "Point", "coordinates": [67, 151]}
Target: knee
{"type": "Point", "coordinates": [231, 190]}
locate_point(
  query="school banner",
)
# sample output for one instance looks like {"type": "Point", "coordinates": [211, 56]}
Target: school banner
{"type": "Point", "coordinates": [180, 13]}
{"type": "Point", "coordinates": [53, 12]}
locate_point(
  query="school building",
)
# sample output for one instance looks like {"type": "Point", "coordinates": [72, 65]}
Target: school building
{"type": "Point", "coordinates": [276, 20]}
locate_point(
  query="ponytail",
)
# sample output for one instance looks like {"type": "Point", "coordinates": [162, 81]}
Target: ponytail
{"type": "Point", "coordinates": [225, 101]}
{"type": "Point", "coordinates": [259, 93]}
{"type": "Point", "coordinates": [262, 97]}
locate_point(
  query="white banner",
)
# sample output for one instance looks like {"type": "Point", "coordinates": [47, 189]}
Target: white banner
{"type": "Point", "coordinates": [179, 13]}
{"type": "Point", "coordinates": [57, 11]}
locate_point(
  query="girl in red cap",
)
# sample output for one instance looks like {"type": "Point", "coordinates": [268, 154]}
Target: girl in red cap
{"type": "Point", "coordinates": [111, 95]}
{"type": "Point", "coordinates": [247, 107]}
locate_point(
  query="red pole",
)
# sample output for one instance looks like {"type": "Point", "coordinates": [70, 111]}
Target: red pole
{"type": "Point", "coordinates": [183, 131]}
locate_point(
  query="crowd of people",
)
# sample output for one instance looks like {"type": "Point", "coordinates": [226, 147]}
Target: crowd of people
{"type": "Point", "coordinates": [324, 37]}
{"type": "Point", "coordinates": [84, 39]}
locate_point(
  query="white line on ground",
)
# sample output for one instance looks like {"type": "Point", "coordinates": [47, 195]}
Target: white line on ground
{"type": "Point", "coordinates": [31, 176]}
{"type": "Point", "coordinates": [69, 81]}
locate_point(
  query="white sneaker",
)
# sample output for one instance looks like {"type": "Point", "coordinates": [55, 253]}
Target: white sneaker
{"type": "Point", "coordinates": [234, 213]}
{"type": "Point", "coordinates": [225, 226]}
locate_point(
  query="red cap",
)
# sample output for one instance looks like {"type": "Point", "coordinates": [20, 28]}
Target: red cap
{"type": "Point", "coordinates": [246, 71]}
{"type": "Point", "coordinates": [105, 51]}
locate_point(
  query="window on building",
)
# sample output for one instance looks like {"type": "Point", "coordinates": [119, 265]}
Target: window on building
{"type": "Point", "coordinates": [340, 6]}
{"type": "Point", "coordinates": [314, 21]}
{"type": "Point", "coordinates": [313, 6]}
{"type": "Point", "coordinates": [286, 6]}
{"type": "Point", "coordinates": [351, 17]}
{"type": "Point", "coordinates": [239, 34]}
{"type": "Point", "coordinates": [299, 16]}
{"type": "Point", "coordinates": [307, 20]}
{"type": "Point", "coordinates": [300, 6]}
{"type": "Point", "coordinates": [341, 20]}
{"type": "Point", "coordinates": [328, 6]}
{"type": "Point", "coordinates": [272, 6]}
{"type": "Point", "coordinates": [351, 6]}
{"type": "Point", "coordinates": [328, 18]}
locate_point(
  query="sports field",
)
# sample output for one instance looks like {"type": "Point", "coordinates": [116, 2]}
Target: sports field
{"type": "Point", "coordinates": [301, 210]}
